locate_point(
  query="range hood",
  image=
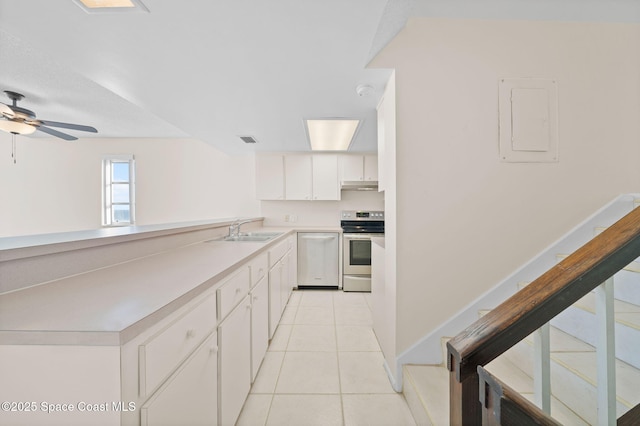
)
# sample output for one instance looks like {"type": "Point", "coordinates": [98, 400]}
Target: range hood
{"type": "Point", "coordinates": [359, 185]}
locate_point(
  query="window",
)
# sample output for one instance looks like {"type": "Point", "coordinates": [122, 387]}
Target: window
{"type": "Point", "coordinates": [118, 174]}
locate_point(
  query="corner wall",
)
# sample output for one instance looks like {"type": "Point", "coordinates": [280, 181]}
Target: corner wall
{"type": "Point", "coordinates": [56, 185]}
{"type": "Point", "coordinates": [465, 220]}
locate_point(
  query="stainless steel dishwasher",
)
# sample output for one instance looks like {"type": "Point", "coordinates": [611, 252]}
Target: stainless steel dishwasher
{"type": "Point", "coordinates": [318, 259]}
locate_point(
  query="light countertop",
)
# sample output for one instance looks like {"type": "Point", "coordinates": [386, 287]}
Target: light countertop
{"type": "Point", "coordinates": [109, 306]}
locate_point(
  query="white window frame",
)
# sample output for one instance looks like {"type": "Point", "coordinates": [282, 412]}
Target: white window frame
{"type": "Point", "coordinates": [108, 218]}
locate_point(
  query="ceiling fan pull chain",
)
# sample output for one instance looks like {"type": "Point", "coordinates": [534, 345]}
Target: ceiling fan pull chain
{"type": "Point", "coordinates": [14, 154]}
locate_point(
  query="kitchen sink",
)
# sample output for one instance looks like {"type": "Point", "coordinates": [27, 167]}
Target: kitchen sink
{"type": "Point", "coordinates": [250, 236]}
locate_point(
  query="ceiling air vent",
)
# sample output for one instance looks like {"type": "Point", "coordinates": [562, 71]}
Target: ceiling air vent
{"type": "Point", "coordinates": [248, 139]}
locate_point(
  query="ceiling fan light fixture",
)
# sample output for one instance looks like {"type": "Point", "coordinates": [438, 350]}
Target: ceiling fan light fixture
{"type": "Point", "coordinates": [16, 127]}
{"type": "Point", "coordinates": [92, 4]}
{"type": "Point", "coordinates": [331, 134]}
{"type": "Point", "coordinates": [111, 6]}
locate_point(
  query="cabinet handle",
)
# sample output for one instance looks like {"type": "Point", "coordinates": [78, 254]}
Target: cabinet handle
{"type": "Point", "coordinates": [190, 333]}
{"type": "Point", "coordinates": [261, 271]}
{"type": "Point", "coordinates": [238, 290]}
{"type": "Point", "coordinates": [213, 349]}
{"type": "Point", "coordinates": [248, 306]}
{"type": "Point", "coordinates": [255, 297]}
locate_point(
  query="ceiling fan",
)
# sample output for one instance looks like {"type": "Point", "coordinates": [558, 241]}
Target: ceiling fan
{"type": "Point", "coordinates": [21, 121]}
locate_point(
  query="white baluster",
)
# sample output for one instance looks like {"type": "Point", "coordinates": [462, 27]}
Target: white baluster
{"type": "Point", "coordinates": [606, 354]}
{"type": "Point", "coordinates": [542, 368]}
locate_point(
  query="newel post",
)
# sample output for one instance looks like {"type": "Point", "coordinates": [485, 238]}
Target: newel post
{"type": "Point", "coordinates": [464, 397]}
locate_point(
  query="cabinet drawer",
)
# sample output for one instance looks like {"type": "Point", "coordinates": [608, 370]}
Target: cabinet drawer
{"type": "Point", "coordinates": [234, 289]}
{"type": "Point", "coordinates": [164, 351]}
{"type": "Point", "coordinates": [189, 397]}
{"type": "Point", "coordinates": [276, 253]}
{"type": "Point", "coordinates": [258, 267]}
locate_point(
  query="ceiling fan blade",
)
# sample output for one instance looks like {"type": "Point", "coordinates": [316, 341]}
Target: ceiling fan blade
{"type": "Point", "coordinates": [69, 126]}
{"type": "Point", "coordinates": [56, 133]}
{"type": "Point", "coordinates": [6, 111]}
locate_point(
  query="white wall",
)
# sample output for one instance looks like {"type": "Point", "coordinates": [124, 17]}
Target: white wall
{"type": "Point", "coordinates": [479, 219]}
{"type": "Point", "coordinates": [56, 185]}
{"type": "Point", "coordinates": [320, 213]}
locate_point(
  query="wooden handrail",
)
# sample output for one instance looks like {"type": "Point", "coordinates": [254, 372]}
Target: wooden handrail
{"type": "Point", "coordinates": [504, 406]}
{"type": "Point", "coordinates": [533, 306]}
{"type": "Point", "coordinates": [631, 417]}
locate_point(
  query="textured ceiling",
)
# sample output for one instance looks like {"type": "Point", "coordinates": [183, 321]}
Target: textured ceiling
{"type": "Point", "coordinates": [212, 70]}
{"type": "Point", "coordinates": [217, 69]}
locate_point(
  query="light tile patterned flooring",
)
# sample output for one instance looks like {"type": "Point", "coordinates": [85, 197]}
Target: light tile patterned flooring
{"type": "Point", "coordinates": [324, 367]}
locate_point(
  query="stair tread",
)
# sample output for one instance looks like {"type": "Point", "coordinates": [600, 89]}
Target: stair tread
{"type": "Point", "coordinates": [625, 312]}
{"type": "Point", "coordinates": [431, 383]}
{"type": "Point", "coordinates": [511, 375]}
{"type": "Point", "coordinates": [559, 342]}
{"type": "Point", "coordinates": [561, 412]}
{"type": "Point", "coordinates": [584, 365]}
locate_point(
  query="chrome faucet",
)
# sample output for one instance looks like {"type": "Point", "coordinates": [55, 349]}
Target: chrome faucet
{"type": "Point", "coordinates": [234, 229]}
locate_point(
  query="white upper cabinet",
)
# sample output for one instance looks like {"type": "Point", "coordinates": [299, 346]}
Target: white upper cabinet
{"type": "Point", "coordinates": [352, 167]}
{"type": "Point", "coordinates": [298, 177]}
{"type": "Point", "coordinates": [270, 177]}
{"type": "Point", "coordinates": [325, 177]}
{"type": "Point", "coordinates": [371, 167]}
{"type": "Point", "coordinates": [387, 136]}
{"type": "Point", "coordinates": [359, 167]}
{"type": "Point", "coordinates": [311, 177]}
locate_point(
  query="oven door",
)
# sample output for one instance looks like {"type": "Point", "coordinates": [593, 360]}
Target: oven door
{"type": "Point", "coordinates": [357, 254]}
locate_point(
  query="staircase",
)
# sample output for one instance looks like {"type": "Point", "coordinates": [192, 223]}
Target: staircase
{"type": "Point", "coordinates": [572, 354]}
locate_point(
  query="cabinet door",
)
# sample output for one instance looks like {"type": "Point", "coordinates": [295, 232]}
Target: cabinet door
{"type": "Point", "coordinates": [298, 177]}
{"type": "Point", "coordinates": [270, 177]}
{"type": "Point", "coordinates": [371, 167]}
{"type": "Point", "coordinates": [190, 396]}
{"type": "Point", "coordinates": [259, 324]}
{"type": "Point", "coordinates": [284, 282]}
{"type": "Point", "coordinates": [235, 362]}
{"type": "Point", "coordinates": [275, 302]}
{"type": "Point", "coordinates": [352, 167]}
{"type": "Point", "coordinates": [325, 177]}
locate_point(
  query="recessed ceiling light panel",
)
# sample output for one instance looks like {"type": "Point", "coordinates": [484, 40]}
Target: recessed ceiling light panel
{"type": "Point", "coordinates": [111, 6]}
{"type": "Point", "coordinates": [331, 134]}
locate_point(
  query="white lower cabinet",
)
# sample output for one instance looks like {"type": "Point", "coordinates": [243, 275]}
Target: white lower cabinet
{"type": "Point", "coordinates": [190, 395]}
{"type": "Point", "coordinates": [193, 366]}
{"type": "Point", "coordinates": [275, 298]}
{"type": "Point", "coordinates": [234, 341]}
{"type": "Point", "coordinates": [259, 325]}
{"type": "Point", "coordinates": [285, 285]}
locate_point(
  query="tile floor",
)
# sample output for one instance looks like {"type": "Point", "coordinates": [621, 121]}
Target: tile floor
{"type": "Point", "coordinates": [324, 367]}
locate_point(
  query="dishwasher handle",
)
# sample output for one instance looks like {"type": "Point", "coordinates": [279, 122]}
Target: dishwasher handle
{"type": "Point", "coordinates": [318, 237]}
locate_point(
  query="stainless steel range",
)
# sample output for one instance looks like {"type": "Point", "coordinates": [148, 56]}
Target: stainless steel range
{"type": "Point", "coordinates": [358, 227]}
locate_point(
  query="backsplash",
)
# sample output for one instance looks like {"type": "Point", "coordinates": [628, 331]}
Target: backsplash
{"type": "Point", "coordinates": [319, 213]}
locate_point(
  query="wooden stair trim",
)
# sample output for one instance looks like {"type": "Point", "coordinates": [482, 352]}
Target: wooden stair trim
{"type": "Point", "coordinates": [503, 405]}
{"type": "Point", "coordinates": [630, 418]}
{"type": "Point", "coordinates": [533, 306]}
